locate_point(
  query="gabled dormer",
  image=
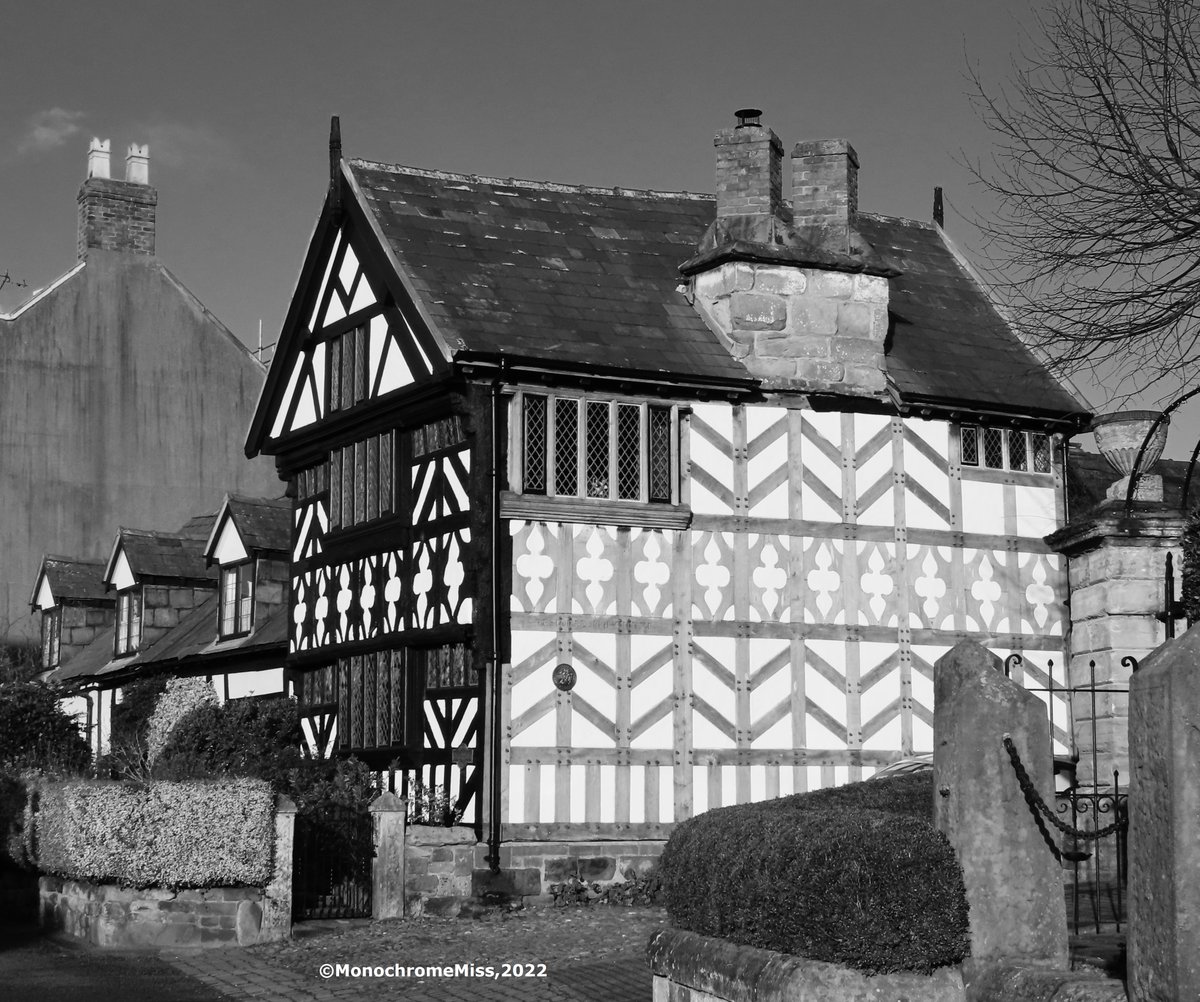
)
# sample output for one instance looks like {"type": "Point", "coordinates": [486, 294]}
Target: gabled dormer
{"type": "Point", "coordinates": [74, 605]}
{"type": "Point", "coordinates": [157, 577]}
{"type": "Point", "coordinates": [249, 547]}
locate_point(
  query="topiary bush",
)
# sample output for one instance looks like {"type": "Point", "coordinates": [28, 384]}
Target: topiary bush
{"type": "Point", "coordinates": [243, 737]}
{"type": "Point", "coordinates": [36, 735]}
{"type": "Point", "coordinates": [855, 875]}
{"type": "Point", "coordinates": [197, 834]}
{"type": "Point", "coordinates": [179, 698]}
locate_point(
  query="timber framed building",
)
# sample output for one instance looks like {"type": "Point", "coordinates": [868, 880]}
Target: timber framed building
{"type": "Point", "coordinates": [614, 506]}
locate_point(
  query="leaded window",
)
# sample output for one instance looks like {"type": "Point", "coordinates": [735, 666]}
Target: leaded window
{"type": "Point", "coordinates": [237, 599]}
{"type": "Point", "coordinates": [347, 368]}
{"type": "Point", "coordinates": [1005, 449]}
{"type": "Point", "coordinates": [594, 448]}
{"type": "Point", "coordinates": [361, 481]}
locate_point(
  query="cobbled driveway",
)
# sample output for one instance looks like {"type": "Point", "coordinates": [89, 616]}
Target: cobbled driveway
{"type": "Point", "coordinates": [594, 954]}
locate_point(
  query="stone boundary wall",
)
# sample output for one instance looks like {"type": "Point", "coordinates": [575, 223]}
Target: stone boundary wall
{"type": "Point", "coordinates": [445, 868]}
{"type": "Point", "coordinates": [123, 917]}
{"type": "Point", "coordinates": [691, 968]}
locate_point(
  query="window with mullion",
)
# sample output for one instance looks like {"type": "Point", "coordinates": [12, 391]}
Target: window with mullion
{"type": "Point", "coordinates": [608, 450]}
{"type": "Point", "coordinates": [129, 622]}
{"type": "Point", "coordinates": [237, 599]}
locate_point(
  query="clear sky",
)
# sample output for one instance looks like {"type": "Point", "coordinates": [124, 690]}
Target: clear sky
{"type": "Point", "coordinates": [235, 99]}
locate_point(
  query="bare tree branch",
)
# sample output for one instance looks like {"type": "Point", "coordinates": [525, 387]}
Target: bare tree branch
{"type": "Point", "coordinates": [1097, 179]}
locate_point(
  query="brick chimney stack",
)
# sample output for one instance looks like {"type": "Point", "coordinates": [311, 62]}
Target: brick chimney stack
{"type": "Point", "coordinates": [749, 169]}
{"type": "Point", "coordinates": [825, 192]}
{"type": "Point", "coordinates": [117, 215]}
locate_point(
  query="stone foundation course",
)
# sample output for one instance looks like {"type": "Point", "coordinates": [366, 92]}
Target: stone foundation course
{"type": "Point", "coordinates": [692, 968]}
{"type": "Point", "coordinates": [131, 918]}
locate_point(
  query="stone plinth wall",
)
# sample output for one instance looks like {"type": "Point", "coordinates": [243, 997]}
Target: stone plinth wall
{"type": "Point", "coordinates": [529, 868]}
{"type": "Point", "coordinates": [437, 869]}
{"type": "Point", "coordinates": [106, 915]}
{"type": "Point", "coordinates": [692, 968]}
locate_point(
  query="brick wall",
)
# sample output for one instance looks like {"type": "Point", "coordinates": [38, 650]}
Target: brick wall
{"type": "Point", "coordinates": [116, 216]}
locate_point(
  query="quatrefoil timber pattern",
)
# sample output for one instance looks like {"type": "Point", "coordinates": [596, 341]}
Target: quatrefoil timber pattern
{"type": "Point", "coordinates": [785, 640]}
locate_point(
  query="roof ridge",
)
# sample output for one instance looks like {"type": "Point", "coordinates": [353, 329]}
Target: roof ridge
{"type": "Point", "coordinates": [885, 217]}
{"type": "Point", "coordinates": [516, 182]}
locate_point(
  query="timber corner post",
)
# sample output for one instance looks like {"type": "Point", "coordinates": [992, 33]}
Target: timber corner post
{"type": "Point", "coordinates": [1013, 881]}
{"type": "Point", "coordinates": [1164, 823]}
{"type": "Point", "coordinates": [389, 816]}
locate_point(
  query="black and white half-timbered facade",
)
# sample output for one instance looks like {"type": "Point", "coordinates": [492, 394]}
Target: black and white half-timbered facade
{"type": "Point", "coordinates": [613, 506]}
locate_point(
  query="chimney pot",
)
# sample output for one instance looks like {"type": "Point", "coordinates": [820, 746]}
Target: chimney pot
{"type": "Point", "coordinates": [137, 163]}
{"type": "Point", "coordinates": [98, 158]}
{"type": "Point", "coordinates": [749, 117]}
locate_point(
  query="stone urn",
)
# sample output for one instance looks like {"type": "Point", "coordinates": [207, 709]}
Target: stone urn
{"type": "Point", "coordinates": [1119, 436]}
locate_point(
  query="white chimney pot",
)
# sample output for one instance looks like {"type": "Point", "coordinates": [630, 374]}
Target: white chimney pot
{"type": "Point", "coordinates": [137, 163]}
{"type": "Point", "coordinates": [97, 162]}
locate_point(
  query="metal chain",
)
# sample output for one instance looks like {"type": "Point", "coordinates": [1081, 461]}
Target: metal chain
{"type": "Point", "coordinates": [1039, 806]}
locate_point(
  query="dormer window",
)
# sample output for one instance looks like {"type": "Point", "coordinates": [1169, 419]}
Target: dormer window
{"type": "Point", "coordinates": [608, 450]}
{"type": "Point", "coordinates": [237, 599]}
{"type": "Point", "coordinates": [51, 637]}
{"type": "Point", "coordinates": [129, 622]}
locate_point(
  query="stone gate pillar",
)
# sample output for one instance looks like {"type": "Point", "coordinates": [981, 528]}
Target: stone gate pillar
{"type": "Point", "coordinates": [1164, 824]}
{"type": "Point", "coordinates": [389, 814]}
{"type": "Point", "coordinates": [1013, 882]}
{"type": "Point", "coordinates": [1115, 569]}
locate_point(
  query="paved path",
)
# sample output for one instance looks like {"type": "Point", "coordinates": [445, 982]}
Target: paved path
{"type": "Point", "coordinates": [38, 969]}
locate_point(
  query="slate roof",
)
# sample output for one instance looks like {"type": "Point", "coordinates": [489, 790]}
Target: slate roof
{"type": "Point", "coordinates": [175, 555]}
{"type": "Point", "coordinates": [946, 340]}
{"type": "Point", "coordinates": [588, 277]}
{"type": "Point", "coordinates": [192, 641]}
{"type": "Point", "coordinates": [1089, 477]}
{"type": "Point", "coordinates": [263, 523]}
{"type": "Point", "coordinates": [534, 270]}
{"type": "Point", "coordinates": [77, 580]}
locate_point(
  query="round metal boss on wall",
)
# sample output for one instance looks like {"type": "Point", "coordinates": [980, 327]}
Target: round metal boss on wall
{"type": "Point", "coordinates": [564, 677]}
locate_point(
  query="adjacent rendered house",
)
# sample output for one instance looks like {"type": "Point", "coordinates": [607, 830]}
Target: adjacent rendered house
{"type": "Point", "coordinates": [613, 506]}
{"type": "Point", "coordinates": [209, 600]}
{"type": "Point", "coordinates": [122, 398]}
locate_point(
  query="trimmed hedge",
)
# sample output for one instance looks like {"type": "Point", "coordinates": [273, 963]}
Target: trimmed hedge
{"type": "Point", "coordinates": [199, 834]}
{"type": "Point", "coordinates": [180, 697]}
{"type": "Point", "coordinates": [243, 737]}
{"type": "Point", "coordinates": [854, 875]}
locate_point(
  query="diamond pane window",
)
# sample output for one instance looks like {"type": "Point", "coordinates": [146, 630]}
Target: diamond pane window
{"type": "Point", "coordinates": [660, 454]}
{"type": "Point", "coordinates": [629, 452]}
{"type": "Point", "coordinates": [1017, 454]}
{"type": "Point", "coordinates": [566, 446]}
{"type": "Point", "coordinates": [596, 446]}
{"type": "Point", "coordinates": [535, 444]}
{"type": "Point", "coordinates": [970, 445]}
{"type": "Point", "coordinates": [993, 448]}
{"type": "Point", "coordinates": [1041, 453]}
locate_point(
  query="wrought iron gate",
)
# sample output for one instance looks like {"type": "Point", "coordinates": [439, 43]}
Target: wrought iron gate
{"type": "Point", "coordinates": [331, 864]}
{"type": "Point", "coordinates": [1097, 857]}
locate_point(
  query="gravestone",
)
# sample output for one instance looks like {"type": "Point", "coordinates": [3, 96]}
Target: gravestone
{"type": "Point", "coordinates": [1164, 823]}
{"type": "Point", "coordinates": [1014, 884]}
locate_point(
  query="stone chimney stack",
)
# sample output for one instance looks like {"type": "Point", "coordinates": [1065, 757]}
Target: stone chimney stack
{"type": "Point", "coordinates": [825, 192]}
{"type": "Point", "coordinates": [117, 215]}
{"type": "Point", "coordinates": [795, 293]}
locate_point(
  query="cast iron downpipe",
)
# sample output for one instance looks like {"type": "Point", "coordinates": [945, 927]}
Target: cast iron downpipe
{"type": "Point", "coordinates": [493, 856]}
